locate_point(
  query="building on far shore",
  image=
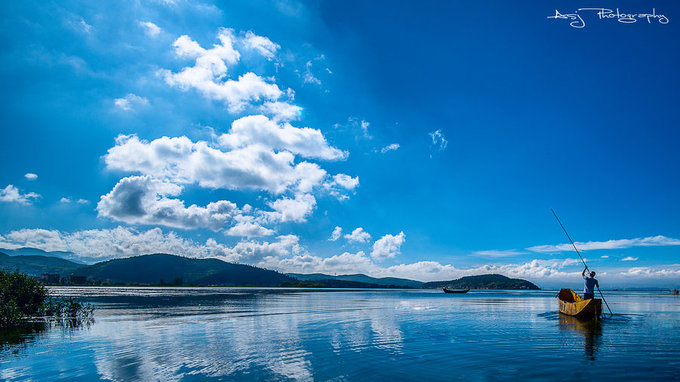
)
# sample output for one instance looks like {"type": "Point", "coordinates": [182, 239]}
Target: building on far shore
{"type": "Point", "coordinates": [50, 278]}
{"type": "Point", "coordinates": [73, 279]}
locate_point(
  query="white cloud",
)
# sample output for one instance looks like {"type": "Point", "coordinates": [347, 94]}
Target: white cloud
{"type": "Point", "coordinates": [673, 271]}
{"type": "Point", "coordinates": [84, 25]}
{"type": "Point", "coordinates": [292, 210]}
{"type": "Point", "coordinates": [67, 200]}
{"type": "Point", "coordinates": [629, 258]}
{"type": "Point", "coordinates": [344, 263]}
{"type": "Point", "coordinates": [439, 143]}
{"type": "Point", "coordinates": [247, 226]}
{"type": "Point", "coordinates": [143, 200]}
{"type": "Point", "coordinates": [30, 176]}
{"type": "Point", "coordinates": [388, 246]}
{"type": "Point", "coordinates": [349, 263]}
{"type": "Point", "coordinates": [102, 244]}
{"type": "Point", "coordinates": [346, 181]}
{"type": "Point", "coordinates": [281, 111]}
{"type": "Point", "coordinates": [308, 77]}
{"type": "Point", "coordinates": [11, 194]}
{"type": "Point", "coordinates": [285, 253]}
{"type": "Point", "coordinates": [358, 235]}
{"type": "Point", "coordinates": [258, 129]}
{"type": "Point", "coordinates": [180, 160]}
{"type": "Point", "coordinates": [651, 241]}
{"type": "Point", "coordinates": [261, 44]}
{"type": "Point", "coordinates": [128, 102]}
{"type": "Point", "coordinates": [252, 252]}
{"type": "Point", "coordinates": [497, 253]}
{"type": "Point", "coordinates": [364, 128]}
{"type": "Point", "coordinates": [391, 147]}
{"type": "Point", "coordinates": [209, 71]}
{"type": "Point", "coordinates": [151, 29]}
{"type": "Point", "coordinates": [335, 235]}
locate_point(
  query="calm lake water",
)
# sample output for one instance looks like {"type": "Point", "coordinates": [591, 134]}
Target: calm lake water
{"type": "Point", "coordinates": [171, 334]}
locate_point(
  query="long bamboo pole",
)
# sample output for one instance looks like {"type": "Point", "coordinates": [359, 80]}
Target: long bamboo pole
{"type": "Point", "coordinates": [579, 255]}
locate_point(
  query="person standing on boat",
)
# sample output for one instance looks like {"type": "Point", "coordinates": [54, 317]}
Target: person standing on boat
{"type": "Point", "coordinates": [590, 284]}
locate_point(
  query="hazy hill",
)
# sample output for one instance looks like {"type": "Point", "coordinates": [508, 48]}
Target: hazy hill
{"type": "Point", "coordinates": [360, 278]}
{"type": "Point", "coordinates": [39, 252]}
{"type": "Point", "coordinates": [35, 265]}
{"type": "Point", "coordinates": [483, 282]}
{"type": "Point", "coordinates": [157, 268]}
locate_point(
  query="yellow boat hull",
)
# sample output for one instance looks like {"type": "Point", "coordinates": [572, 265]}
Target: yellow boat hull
{"type": "Point", "coordinates": [572, 304]}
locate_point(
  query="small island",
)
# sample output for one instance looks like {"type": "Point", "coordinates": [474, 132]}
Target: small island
{"type": "Point", "coordinates": [492, 281]}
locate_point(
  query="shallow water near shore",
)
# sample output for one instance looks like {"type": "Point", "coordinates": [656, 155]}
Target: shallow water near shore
{"type": "Point", "coordinates": [291, 334]}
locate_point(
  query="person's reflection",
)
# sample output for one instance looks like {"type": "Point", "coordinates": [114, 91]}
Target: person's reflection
{"type": "Point", "coordinates": [591, 330]}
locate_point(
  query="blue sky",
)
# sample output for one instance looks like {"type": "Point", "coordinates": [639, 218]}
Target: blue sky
{"type": "Point", "coordinates": [436, 136]}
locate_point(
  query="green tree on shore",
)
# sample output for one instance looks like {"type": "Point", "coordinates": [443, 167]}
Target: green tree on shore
{"type": "Point", "coordinates": [22, 297]}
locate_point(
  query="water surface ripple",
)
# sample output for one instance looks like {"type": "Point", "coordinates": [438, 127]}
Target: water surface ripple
{"type": "Point", "coordinates": [173, 334]}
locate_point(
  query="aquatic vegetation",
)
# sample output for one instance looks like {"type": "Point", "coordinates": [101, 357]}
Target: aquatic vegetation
{"type": "Point", "coordinates": [24, 298]}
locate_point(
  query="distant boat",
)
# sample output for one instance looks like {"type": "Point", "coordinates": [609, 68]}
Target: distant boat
{"type": "Point", "coordinates": [572, 304]}
{"type": "Point", "coordinates": [456, 291]}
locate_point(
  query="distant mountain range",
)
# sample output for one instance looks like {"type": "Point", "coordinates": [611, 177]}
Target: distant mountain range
{"type": "Point", "coordinates": [27, 251]}
{"type": "Point", "coordinates": [164, 269]}
{"type": "Point", "coordinates": [35, 265]}
{"type": "Point", "coordinates": [156, 269]}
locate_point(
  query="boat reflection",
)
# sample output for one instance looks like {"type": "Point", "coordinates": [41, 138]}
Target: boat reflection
{"type": "Point", "coordinates": [591, 330]}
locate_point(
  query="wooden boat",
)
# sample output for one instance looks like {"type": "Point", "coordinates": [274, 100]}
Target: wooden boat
{"type": "Point", "coordinates": [455, 291]}
{"type": "Point", "coordinates": [572, 304]}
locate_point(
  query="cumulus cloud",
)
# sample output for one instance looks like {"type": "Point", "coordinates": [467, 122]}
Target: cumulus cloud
{"type": "Point", "coordinates": [358, 236]}
{"type": "Point", "coordinates": [261, 44]}
{"type": "Point", "coordinates": [651, 241]}
{"type": "Point", "coordinates": [130, 101]}
{"type": "Point", "coordinates": [350, 263]}
{"type": "Point", "coordinates": [306, 263]}
{"type": "Point", "coordinates": [346, 181]}
{"type": "Point", "coordinates": [11, 194]}
{"type": "Point", "coordinates": [391, 147]}
{"type": "Point", "coordinates": [103, 244]}
{"type": "Point", "coordinates": [180, 160]}
{"type": "Point", "coordinates": [143, 200]}
{"type": "Point", "coordinates": [335, 235]}
{"type": "Point", "coordinates": [388, 246]}
{"type": "Point", "coordinates": [258, 129]}
{"type": "Point", "coordinates": [30, 176]}
{"type": "Point", "coordinates": [151, 29]}
{"type": "Point", "coordinates": [248, 226]}
{"type": "Point", "coordinates": [209, 71]}
{"type": "Point", "coordinates": [281, 111]}
{"type": "Point", "coordinates": [296, 209]}
{"type": "Point", "coordinates": [629, 258]}
{"type": "Point", "coordinates": [284, 253]}
{"type": "Point", "coordinates": [672, 271]}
